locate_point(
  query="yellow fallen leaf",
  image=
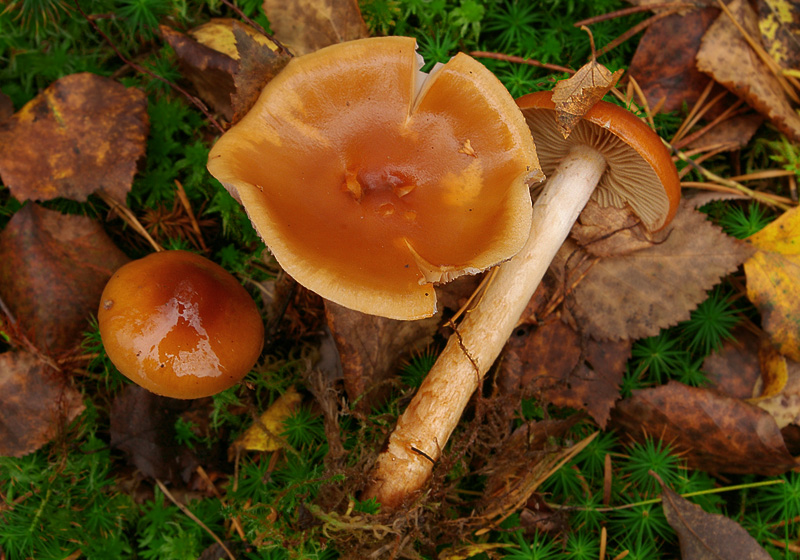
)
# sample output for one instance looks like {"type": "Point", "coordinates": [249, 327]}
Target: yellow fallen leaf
{"type": "Point", "coordinates": [260, 436]}
{"type": "Point", "coordinates": [774, 372]}
{"type": "Point", "coordinates": [773, 281]}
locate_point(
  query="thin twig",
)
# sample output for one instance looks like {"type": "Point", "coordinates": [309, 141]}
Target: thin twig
{"type": "Point", "coordinates": [728, 113]}
{"type": "Point", "coordinates": [129, 218]}
{"type": "Point", "coordinates": [235, 520]}
{"type": "Point", "coordinates": [188, 207]}
{"type": "Point", "coordinates": [736, 187]}
{"type": "Point", "coordinates": [634, 10]}
{"type": "Point", "coordinates": [520, 60]}
{"type": "Point", "coordinates": [194, 518]}
{"type": "Point", "coordinates": [641, 26]}
{"type": "Point", "coordinates": [194, 100]}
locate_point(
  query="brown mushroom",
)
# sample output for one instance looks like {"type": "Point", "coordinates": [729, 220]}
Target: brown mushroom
{"type": "Point", "coordinates": [370, 181]}
{"type": "Point", "coordinates": [612, 150]}
{"type": "Point", "coordinates": [179, 325]}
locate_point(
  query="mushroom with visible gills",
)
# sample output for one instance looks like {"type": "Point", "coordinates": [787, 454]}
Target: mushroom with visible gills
{"type": "Point", "coordinates": [611, 155]}
{"type": "Point", "coordinates": [371, 181]}
{"type": "Point", "coordinates": [179, 325]}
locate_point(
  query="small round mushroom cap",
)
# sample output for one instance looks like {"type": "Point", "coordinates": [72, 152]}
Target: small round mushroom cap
{"type": "Point", "coordinates": [370, 180]}
{"type": "Point", "coordinates": [179, 325]}
{"type": "Point", "coordinates": [640, 171]}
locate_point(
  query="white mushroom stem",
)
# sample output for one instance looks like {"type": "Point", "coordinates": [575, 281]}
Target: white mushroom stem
{"type": "Point", "coordinates": [423, 429]}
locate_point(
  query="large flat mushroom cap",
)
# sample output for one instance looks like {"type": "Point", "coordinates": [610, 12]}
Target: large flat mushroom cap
{"type": "Point", "coordinates": [370, 181]}
{"type": "Point", "coordinates": [640, 171]}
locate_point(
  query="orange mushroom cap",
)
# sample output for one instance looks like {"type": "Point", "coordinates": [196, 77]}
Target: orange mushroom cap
{"type": "Point", "coordinates": [640, 170]}
{"type": "Point", "coordinates": [179, 325]}
{"type": "Point", "coordinates": [370, 181]}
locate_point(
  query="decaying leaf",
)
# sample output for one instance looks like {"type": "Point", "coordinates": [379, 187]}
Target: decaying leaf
{"type": "Point", "coordinates": [143, 427]}
{"type": "Point", "coordinates": [725, 55]}
{"type": "Point", "coordinates": [735, 369]}
{"type": "Point", "coordinates": [465, 551]}
{"type": "Point", "coordinates": [784, 407]}
{"type": "Point", "coordinates": [664, 64]}
{"type": "Point", "coordinates": [713, 432]}
{"type": "Point", "coordinates": [53, 268]}
{"type": "Point", "coordinates": [82, 134]}
{"type": "Point", "coordinates": [773, 281]}
{"type": "Point", "coordinates": [552, 363]}
{"type": "Point", "coordinates": [779, 22]}
{"type": "Point", "coordinates": [35, 402]}
{"type": "Point", "coordinates": [707, 536]}
{"type": "Point", "coordinates": [577, 94]}
{"type": "Point", "coordinates": [258, 64]}
{"type": "Point", "coordinates": [611, 232]}
{"type": "Point", "coordinates": [372, 347]}
{"type": "Point", "coordinates": [261, 436]}
{"type": "Point", "coordinates": [308, 25]}
{"type": "Point", "coordinates": [209, 70]}
{"type": "Point", "coordinates": [638, 294]}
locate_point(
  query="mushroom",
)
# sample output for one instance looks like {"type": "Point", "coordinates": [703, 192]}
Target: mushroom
{"type": "Point", "coordinates": [179, 325]}
{"type": "Point", "coordinates": [370, 181]}
{"type": "Point", "coordinates": [611, 155]}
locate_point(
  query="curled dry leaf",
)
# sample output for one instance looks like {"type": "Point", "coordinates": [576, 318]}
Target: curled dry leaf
{"type": "Point", "coordinates": [259, 62]}
{"type": "Point", "coordinates": [53, 269]}
{"type": "Point", "coordinates": [308, 25]}
{"type": "Point", "coordinates": [784, 406]}
{"type": "Point", "coordinates": [371, 349]}
{"type": "Point", "coordinates": [638, 294]}
{"type": "Point", "coordinates": [552, 363]}
{"type": "Point", "coordinates": [228, 62]}
{"type": "Point", "coordinates": [725, 55]}
{"type": "Point", "coordinates": [82, 134]}
{"type": "Point", "coordinates": [712, 431]}
{"type": "Point", "coordinates": [773, 281]}
{"type": "Point", "coordinates": [577, 94]}
{"type": "Point", "coordinates": [664, 65]}
{"type": "Point", "coordinates": [707, 536]}
{"type": "Point", "coordinates": [35, 401]}
{"type": "Point", "coordinates": [264, 434]}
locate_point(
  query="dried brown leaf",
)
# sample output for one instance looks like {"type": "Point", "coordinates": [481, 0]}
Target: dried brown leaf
{"type": "Point", "coordinates": [707, 536]}
{"type": "Point", "coordinates": [714, 432]}
{"type": "Point", "coordinates": [664, 64]}
{"type": "Point", "coordinates": [735, 369]}
{"type": "Point", "coordinates": [609, 232]}
{"type": "Point", "coordinates": [638, 294]}
{"type": "Point", "coordinates": [82, 134]}
{"type": "Point", "coordinates": [552, 363]}
{"type": "Point", "coordinates": [35, 402]}
{"type": "Point", "coordinates": [308, 25]}
{"type": "Point", "coordinates": [577, 94]}
{"type": "Point", "coordinates": [143, 427]}
{"type": "Point", "coordinates": [53, 268]}
{"type": "Point", "coordinates": [210, 71]}
{"type": "Point", "coordinates": [726, 56]}
{"type": "Point", "coordinates": [259, 62]}
{"type": "Point", "coordinates": [371, 349]}
{"type": "Point", "coordinates": [732, 134]}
